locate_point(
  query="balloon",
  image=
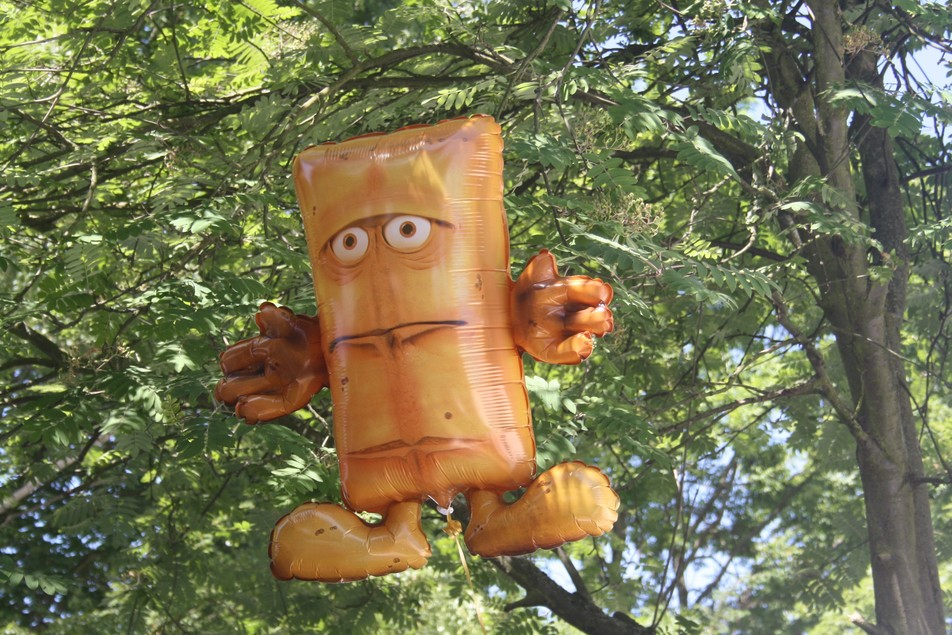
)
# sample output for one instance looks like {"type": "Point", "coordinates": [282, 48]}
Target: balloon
{"type": "Point", "coordinates": [419, 336]}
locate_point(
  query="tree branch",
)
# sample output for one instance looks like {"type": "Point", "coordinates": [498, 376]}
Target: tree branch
{"type": "Point", "coordinates": [41, 342]}
{"type": "Point", "coordinates": [11, 502]}
{"type": "Point", "coordinates": [823, 381]}
{"type": "Point", "coordinates": [574, 608]}
{"type": "Point", "coordinates": [576, 577]}
{"type": "Point", "coordinates": [804, 388]}
{"type": "Point", "coordinates": [340, 39]}
{"type": "Point", "coordinates": [868, 627]}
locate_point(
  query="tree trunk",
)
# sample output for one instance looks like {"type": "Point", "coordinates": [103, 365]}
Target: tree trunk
{"type": "Point", "coordinates": [902, 546]}
{"type": "Point", "coordinates": [866, 315]}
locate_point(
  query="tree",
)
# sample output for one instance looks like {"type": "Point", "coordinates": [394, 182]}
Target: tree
{"type": "Point", "coordinates": [765, 185]}
{"type": "Point", "coordinates": [865, 312]}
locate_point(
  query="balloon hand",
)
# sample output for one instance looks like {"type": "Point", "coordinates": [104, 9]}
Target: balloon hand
{"type": "Point", "coordinates": [277, 372]}
{"type": "Point", "coordinates": [556, 318]}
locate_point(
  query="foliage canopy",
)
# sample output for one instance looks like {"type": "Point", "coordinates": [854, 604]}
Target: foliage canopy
{"type": "Point", "coordinates": [766, 185]}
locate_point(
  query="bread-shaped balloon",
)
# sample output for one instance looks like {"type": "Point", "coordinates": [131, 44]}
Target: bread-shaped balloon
{"type": "Point", "coordinates": [419, 335]}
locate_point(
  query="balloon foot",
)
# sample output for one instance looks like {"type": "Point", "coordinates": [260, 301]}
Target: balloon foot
{"type": "Point", "coordinates": [327, 543]}
{"type": "Point", "coordinates": [568, 502]}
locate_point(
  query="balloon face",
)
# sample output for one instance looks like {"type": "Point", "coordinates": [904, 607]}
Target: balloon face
{"type": "Point", "coordinates": [419, 335]}
{"type": "Point", "coordinates": [409, 246]}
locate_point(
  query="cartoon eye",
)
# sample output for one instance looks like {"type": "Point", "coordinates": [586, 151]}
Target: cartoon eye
{"type": "Point", "coordinates": [406, 233]}
{"type": "Point", "coordinates": [350, 245]}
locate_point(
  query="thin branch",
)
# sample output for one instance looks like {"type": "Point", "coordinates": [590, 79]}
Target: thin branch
{"type": "Point", "coordinates": [574, 574]}
{"type": "Point", "coordinates": [527, 60]}
{"type": "Point", "coordinates": [808, 387]}
{"type": "Point", "coordinates": [868, 627]}
{"type": "Point", "coordinates": [340, 39]}
{"type": "Point", "coordinates": [845, 412]}
{"type": "Point", "coordinates": [393, 58]}
{"type": "Point", "coordinates": [11, 502]}
{"type": "Point", "coordinates": [18, 362]}
{"type": "Point", "coordinates": [933, 171]}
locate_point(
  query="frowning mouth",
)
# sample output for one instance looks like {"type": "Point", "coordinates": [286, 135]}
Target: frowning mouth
{"type": "Point", "coordinates": [388, 331]}
{"type": "Point", "coordinates": [425, 445]}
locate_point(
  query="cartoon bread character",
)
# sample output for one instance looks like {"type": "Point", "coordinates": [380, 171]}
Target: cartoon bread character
{"type": "Point", "coordinates": [419, 336]}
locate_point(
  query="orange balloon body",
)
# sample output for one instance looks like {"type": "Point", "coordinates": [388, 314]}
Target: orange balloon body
{"type": "Point", "coordinates": [426, 381]}
{"type": "Point", "coordinates": [420, 335]}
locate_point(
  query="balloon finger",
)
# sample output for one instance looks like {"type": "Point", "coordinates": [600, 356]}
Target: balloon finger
{"type": "Point", "coordinates": [587, 291]}
{"type": "Point", "coordinates": [234, 388]}
{"type": "Point", "coordinates": [595, 320]}
{"type": "Point", "coordinates": [275, 321]}
{"type": "Point", "coordinates": [267, 406]}
{"type": "Point", "coordinates": [541, 268]}
{"type": "Point", "coordinates": [569, 351]}
{"type": "Point", "coordinates": [299, 393]}
{"type": "Point", "coordinates": [255, 408]}
{"type": "Point", "coordinates": [246, 356]}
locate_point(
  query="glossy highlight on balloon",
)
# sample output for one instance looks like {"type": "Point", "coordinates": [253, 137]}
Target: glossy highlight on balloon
{"type": "Point", "coordinates": [419, 336]}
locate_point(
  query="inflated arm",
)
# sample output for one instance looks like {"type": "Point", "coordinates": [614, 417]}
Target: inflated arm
{"type": "Point", "coordinates": [278, 371]}
{"type": "Point", "coordinates": [556, 318]}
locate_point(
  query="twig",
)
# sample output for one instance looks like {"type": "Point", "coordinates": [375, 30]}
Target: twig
{"type": "Point", "coordinates": [575, 576]}
{"type": "Point", "coordinates": [867, 627]}
{"type": "Point", "coordinates": [314, 13]}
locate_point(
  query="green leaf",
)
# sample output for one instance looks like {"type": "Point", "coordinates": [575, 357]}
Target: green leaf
{"type": "Point", "coordinates": [701, 153]}
{"type": "Point", "coordinates": [548, 392]}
